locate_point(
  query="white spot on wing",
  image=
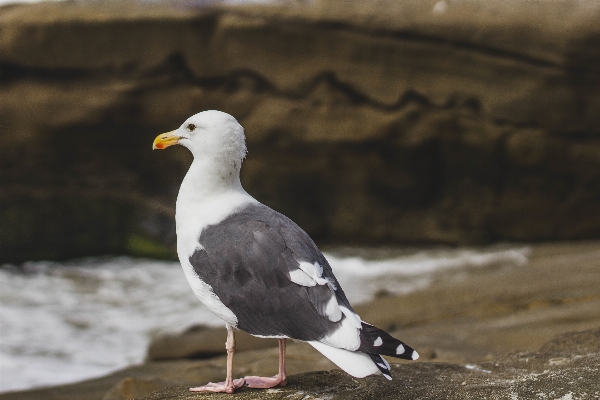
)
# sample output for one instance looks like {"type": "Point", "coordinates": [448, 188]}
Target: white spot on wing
{"type": "Point", "coordinates": [309, 269]}
{"type": "Point", "coordinates": [378, 342]}
{"type": "Point", "coordinates": [301, 278]}
{"type": "Point", "coordinates": [332, 310]}
{"type": "Point", "coordinates": [415, 355]}
{"type": "Point", "coordinates": [400, 349]}
{"type": "Point", "coordinates": [315, 274]}
{"type": "Point", "coordinates": [318, 269]}
{"type": "Point", "coordinates": [307, 275]}
{"type": "Point", "coordinates": [315, 271]}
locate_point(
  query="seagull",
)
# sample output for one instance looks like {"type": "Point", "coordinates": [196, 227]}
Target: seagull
{"type": "Point", "coordinates": [258, 270]}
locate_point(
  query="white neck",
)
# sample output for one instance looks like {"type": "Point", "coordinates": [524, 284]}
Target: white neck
{"type": "Point", "coordinates": [206, 179]}
{"type": "Point", "coordinates": [208, 194]}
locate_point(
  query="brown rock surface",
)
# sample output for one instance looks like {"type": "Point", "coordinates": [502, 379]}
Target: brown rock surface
{"type": "Point", "coordinates": [130, 388]}
{"type": "Point", "coordinates": [405, 125]}
{"type": "Point", "coordinates": [565, 368]}
{"type": "Point", "coordinates": [502, 310]}
{"type": "Point", "coordinates": [494, 329]}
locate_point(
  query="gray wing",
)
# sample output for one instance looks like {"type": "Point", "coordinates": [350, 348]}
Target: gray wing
{"type": "Point", "coordinates": [269, 272]}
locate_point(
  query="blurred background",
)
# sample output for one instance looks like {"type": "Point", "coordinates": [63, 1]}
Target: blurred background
{"type": "Point", "coordinates": [408, 139]}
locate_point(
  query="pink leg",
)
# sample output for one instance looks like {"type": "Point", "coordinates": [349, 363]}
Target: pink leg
{"type": "Point", "coordinates": [229, 385]}
{"type": "Point", "coordinates": [259, 382]}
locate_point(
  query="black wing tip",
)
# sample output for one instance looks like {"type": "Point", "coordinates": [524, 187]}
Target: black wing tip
{"type": "Point", "coordinates": [405, 352]}
{"type": "Point", "coordinates": [376, 341]}
{"type": "Point", "coordinates": [382, 365]}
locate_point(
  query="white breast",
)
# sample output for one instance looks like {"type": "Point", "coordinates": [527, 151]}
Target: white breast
{"type": "Point", "coordinates": [192, 216]}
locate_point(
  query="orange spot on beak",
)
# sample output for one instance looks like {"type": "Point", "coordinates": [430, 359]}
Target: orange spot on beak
{"type": "Point", "coordinates": [165, 140]}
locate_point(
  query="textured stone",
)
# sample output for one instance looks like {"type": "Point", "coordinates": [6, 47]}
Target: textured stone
{"type": "Point", "coordinates": [566, 367]}
{"type": "Point", "coordinates": [476, 124]}
{"type": "Point", "coordinates": [501, 331]}
{"type": "Point", "coordinates": [129, 389]}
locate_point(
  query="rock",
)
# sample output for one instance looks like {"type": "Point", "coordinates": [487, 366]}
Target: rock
{"type": "Point", "coordinates": [506, 331]}
{"type": "Point", "coordinates": [498, 310]}
{"type": "Point", "coordinates": [548, 373]}
{"type": "Point", "coordinates": [201, 342]}
{"type": "Point", "coordinates": [301, 357]}
{"type": "Point", "coordinates": [470, 124]}
{"type": "Point", "coordinates": [129, 389]}
{"type": "Point", "coordinates": [563, 373]}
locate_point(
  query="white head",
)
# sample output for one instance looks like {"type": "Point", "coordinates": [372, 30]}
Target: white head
{"type": "Point", "coordinates": [218, 144]}
{"type": "Point", "coordinates": [209, 135]}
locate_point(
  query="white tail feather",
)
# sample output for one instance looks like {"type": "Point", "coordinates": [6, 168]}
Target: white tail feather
{"type": "Point", "coordinates": [354, 363]}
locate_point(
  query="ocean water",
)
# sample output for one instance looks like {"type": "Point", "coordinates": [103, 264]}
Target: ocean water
{"type": "Point", "coordinates": [64, 322]}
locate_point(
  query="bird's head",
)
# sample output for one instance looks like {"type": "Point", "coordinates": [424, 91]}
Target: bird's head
{"type": "Point", "coordinates": [208, 134]}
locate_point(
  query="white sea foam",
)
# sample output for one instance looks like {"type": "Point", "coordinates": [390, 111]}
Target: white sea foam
{"type": "Point", "coordinates": [61, 323]}
{"type": "Point", "coordinates": [362, 278]}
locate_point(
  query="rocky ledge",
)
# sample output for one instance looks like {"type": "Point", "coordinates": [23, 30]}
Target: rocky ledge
{"type": "Point", "coordinates": [367, 122]}
{"type": "Point", "coordinates": [567, 367]}
{"type": "Point", "coordinates": [529, 331]}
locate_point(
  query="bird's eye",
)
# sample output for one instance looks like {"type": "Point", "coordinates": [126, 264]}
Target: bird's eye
{"type": "Point", "coordinates": [191, 127]}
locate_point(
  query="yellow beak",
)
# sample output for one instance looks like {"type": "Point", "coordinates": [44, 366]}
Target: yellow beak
{"type": "Point", "coordinates": [165, 140]}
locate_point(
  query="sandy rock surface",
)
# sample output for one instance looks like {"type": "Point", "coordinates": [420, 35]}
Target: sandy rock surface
{"type": "Point", "coordinates": [502, 331]}
{"type": "Point", "coordinates": [564, 368]}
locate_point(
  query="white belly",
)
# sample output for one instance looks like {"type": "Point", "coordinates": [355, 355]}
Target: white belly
{"type": "Point", "coordinates": [191, 217]}
{"type": "Point", "coordinates": [206, 295]}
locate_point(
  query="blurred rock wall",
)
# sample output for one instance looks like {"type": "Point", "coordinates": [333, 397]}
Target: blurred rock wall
{"type": "Point", "coordinates": [367, 122]}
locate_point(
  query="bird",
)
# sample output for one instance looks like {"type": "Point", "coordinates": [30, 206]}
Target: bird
{"type": "Point", "coordinates": [258, 270]}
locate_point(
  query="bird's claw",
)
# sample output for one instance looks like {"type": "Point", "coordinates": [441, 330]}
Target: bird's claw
{"type": "Point", "coordinates": [220, 387]}
{"type": "Point", "coordinates": [260, 382]}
